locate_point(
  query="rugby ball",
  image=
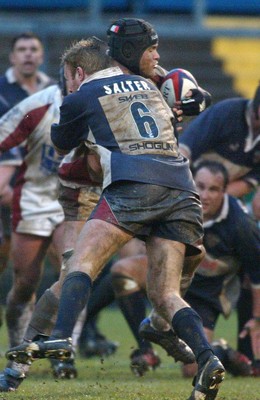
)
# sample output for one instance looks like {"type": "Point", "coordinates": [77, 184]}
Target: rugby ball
{"type": "Point", "coordinates": [176, 84]}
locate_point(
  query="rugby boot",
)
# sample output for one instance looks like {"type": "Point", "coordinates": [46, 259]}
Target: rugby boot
{"type": "Point", "coordinates": [28, 352]}
{"type": "Point", "coordinates": [143, 361]}
{"type": "Point", "coordinates": [236, 363]}
{"type": "Point", "coordinates": [168, 340]}
{"type": "Point", "coordinates": [256, 368]}
{"type": "Point", "coordinates": [97, 347]}
{"type": "Point", "coordinates": [206, 382]}
{"type": "Point", "coordinates": [10, 379]}
{"type": "Point", "coordinates": [64, 369]}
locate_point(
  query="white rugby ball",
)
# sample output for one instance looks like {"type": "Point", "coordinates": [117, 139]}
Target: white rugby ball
{"type": "Point", "coordinates": [176, 85]}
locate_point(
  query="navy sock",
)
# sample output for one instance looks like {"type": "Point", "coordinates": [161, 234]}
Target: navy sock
{"type": "Point", "coordinates": [102, 295]}
{"type": "Point", "coordinates": [188, 326]}
{"type": "Point", "coordinates": [133, 308]}
{"type": "Point", "coordinates": [75, 293]}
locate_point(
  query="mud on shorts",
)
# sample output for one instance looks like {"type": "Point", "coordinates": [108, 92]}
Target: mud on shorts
{"type": "Point", "coordinates": [78, 203]}
{"type": "Point", "coordinates": [152, 210]}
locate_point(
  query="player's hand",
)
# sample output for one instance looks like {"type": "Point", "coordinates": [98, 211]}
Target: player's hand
{"type": "Point", "coordinates": [178, 117]}
{"type": "Point", "coordinates": [252, 328]}
{"type": "Point", "coordinates": [195, 101]}
{"type": "Point", "coordinates": [178, 114]}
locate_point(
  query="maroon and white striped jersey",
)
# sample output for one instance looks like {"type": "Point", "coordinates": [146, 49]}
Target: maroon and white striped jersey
{"type": "Point", "coordinates": [36, 209]}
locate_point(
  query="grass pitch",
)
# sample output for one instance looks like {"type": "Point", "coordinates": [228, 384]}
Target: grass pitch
{"type": "Point", "coordinates": [111, 378]}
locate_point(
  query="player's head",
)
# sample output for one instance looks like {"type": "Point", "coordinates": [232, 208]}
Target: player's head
{"type": "Point", "coordinates": [84, 58]}
{"type": "Point", "coordinates": [254, 111]}
{"type": "Point", "coordinates": [128, 38]}
{"type": "Point", "coordinates": [211, 179]}
{"type": "Point", "coordinates": [26, 54]}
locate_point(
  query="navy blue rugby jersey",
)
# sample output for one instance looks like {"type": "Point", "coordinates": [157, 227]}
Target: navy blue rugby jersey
{"type": "Point", "coordinates": [10, 94]}
{"type": "Point", "coordinates": [232, 244]}
{"type": "Point", "coordinates": [124, 119]}
{"type": "Point", "coordinates": [221, 133]}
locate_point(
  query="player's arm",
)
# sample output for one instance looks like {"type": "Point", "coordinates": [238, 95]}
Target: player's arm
{"type": "Point", "coordinates": [252, 327]}
{"type": "Point", "coordinates": [256, 204]}
{"type": "Point", "coordinates": [200, 135]}
{"type": "Point", "coordinates": [6, 191]}
{"type": "Point", "coordinates": [246, 184]}
{"type": "Point", "coordinates": [72, 128]}
{"type": "Point", "coordinates": [19, 122]}
{"type": "Point", "coordinates": [239, 188]}
{"type": "Point", "coordinates": [248, 249]}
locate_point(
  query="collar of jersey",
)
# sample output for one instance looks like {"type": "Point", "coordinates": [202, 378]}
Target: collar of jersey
{"type": "Point", "coordinates": [104, 73]}
{"type": "Point", "coordinates": [42, 78]}
{"type": "Point", "coordinates": [222, 215]}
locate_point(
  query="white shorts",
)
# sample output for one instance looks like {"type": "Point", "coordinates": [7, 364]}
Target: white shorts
{"type": "Point", "coordinates": [40, 226]}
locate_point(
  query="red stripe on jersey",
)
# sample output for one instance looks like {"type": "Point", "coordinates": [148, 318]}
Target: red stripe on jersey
{"type": "Point", "coordinates": [16, 205]}
{"type": "Point", "coordinates": [24, 128]}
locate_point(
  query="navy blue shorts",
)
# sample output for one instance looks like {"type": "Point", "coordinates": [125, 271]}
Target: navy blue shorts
{"type": "Point", "coordinates": [152, 210]}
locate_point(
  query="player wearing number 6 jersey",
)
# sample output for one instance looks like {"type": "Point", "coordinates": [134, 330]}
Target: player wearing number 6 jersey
{"type": "Point", "coordinates": [148, 192]}
{"type": "Point", "coordinates": [124, 120]}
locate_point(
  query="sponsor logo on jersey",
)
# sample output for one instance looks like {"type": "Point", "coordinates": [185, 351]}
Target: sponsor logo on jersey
{"type": "Point", "coordinates": [126, 86]}
{"type": "Point", "coordinates": [151, 146]}
{"type": "Point", "coordinates": [132, 97]}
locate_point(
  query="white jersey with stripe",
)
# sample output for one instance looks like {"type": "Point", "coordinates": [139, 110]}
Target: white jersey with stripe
{"type": "Point", "coordinates": [36, 209]}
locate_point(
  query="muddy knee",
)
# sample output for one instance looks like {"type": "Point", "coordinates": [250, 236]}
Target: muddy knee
{"type": "Point", "coordinates": [123, 285]}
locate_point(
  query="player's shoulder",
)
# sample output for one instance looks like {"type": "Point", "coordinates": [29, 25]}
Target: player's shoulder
{"type": "Point", "coordinates": [41, 98]}
{"type": "Point", "coordinates": [236, 204]}
{"type": "Point", "coordinates": [230, 104]}
{"type": "Point", "coordinates": [76, 103]}
{"type": "Point", "coordinates": [238, 213]}
{"type": "Point", "coordinates": [49, 93]}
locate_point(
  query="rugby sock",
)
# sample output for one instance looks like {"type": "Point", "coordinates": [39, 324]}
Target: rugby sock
{"type": "Point", "coordinates": [102, 295]}
{"type": "Point", "coordinates": [188, 326]}
{"type": "Point", "coordinates": [75, 293]}
{"type": "Point", "coordinates": [43, 317]}
{"type": "Point", "coordinates": [133, 308]}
